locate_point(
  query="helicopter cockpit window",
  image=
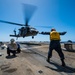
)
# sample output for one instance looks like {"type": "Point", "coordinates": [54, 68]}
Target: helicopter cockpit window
{"type": "Point", "coordinates": [33, 28]}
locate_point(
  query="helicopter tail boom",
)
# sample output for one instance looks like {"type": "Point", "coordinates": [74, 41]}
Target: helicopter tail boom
{"type": "Point", "coordinates": [14, 35]}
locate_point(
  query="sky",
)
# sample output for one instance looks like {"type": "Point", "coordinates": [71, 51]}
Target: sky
{"type": "Point", "coordinates": [60, 14]}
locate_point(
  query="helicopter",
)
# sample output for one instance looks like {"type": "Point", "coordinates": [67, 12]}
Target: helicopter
{"type": "Point", "coordinates": [26, 30]}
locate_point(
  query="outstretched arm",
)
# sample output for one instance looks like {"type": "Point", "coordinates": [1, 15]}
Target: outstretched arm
{"type": "Point", "coordinates": [62, 33]}
{"type": "Point", "coordinates": [45, 33]}
{"type": "Point", "coordinates": [48, 33]}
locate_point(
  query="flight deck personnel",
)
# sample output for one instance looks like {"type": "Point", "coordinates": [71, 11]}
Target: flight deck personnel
{"type": "Point", "coordinates": [55, 44]}
{"type": "Point", "coordinates": [12, 47]}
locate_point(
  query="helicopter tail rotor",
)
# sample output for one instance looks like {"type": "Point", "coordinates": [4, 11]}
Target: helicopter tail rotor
{"type": "Point", "coordinates": [15, 31]}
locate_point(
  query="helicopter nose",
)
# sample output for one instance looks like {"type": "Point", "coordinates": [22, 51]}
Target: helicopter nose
{"type": "Point", "coordinates": [37, 31]}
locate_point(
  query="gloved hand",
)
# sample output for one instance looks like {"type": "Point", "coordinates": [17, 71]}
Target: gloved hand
{"type": "Point", "coordinates": [64, 32]}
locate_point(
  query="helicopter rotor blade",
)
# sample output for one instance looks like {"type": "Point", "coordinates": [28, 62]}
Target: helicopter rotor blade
{"type": "Point", "coordinates": [11, 23]}
{"type": "Point", "coordinates": [28, 11]}
{"type": "Point", "coordinates": [45, 26]}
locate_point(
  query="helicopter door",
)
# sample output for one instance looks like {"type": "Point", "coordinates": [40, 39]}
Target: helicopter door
{"type": "Point", "coordinates": [24, 31]}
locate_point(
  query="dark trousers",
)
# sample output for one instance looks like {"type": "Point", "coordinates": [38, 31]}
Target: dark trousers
{"type": "Point", "coordinates": [55, 45]}
{"type": "Point", "coordinates": [18, 50]}
{"type": "Point", "coordinates": [11, 51]}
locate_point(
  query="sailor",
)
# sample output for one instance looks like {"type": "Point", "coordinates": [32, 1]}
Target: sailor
{"type": "Point", "coordinates": [55, 44]}
{"type": "Point", "coordinates": [12, 47]}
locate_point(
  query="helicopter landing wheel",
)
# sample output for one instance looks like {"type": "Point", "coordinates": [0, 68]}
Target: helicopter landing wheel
{"type": "Point", "coordinates": [32, 37]}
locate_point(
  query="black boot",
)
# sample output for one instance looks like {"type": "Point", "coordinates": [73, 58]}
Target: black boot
{"type": "Point", "coordinates": [14, 54]}
{"type": "Point", "coordinates": [48, 59]}
{"type": "Point", "coordinates": [8, 54]}
{"type": "Point", "coordinates": [63, 63]}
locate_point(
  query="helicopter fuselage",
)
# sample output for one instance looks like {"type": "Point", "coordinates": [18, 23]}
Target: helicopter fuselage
{"type": "Point", "coordinates": [25, 32]}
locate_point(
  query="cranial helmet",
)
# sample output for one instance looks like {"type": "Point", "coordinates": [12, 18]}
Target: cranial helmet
{"type": "Point", "coordinates": [53, 29]}
{"type": "Point", "coordinates": [12, 40]}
